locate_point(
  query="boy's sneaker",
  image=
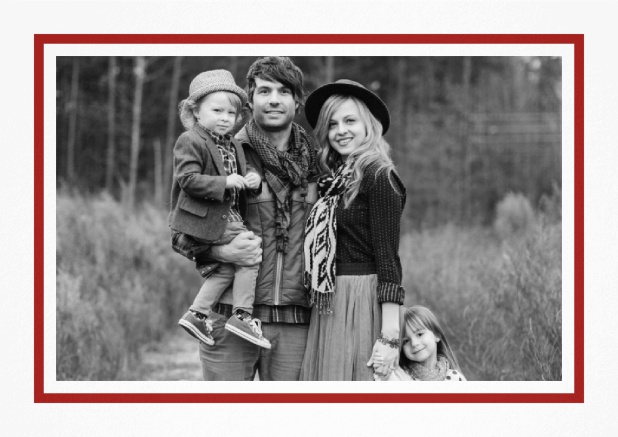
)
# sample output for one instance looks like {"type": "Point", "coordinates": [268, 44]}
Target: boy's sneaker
{"type": "Point", "coordinates": [198, 328]}
{"type": "Point", "coordinates": [247, 328]}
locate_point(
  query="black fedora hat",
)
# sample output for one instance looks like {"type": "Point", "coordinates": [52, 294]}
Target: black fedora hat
{"type": "Point", "coordinates": [346, 87]}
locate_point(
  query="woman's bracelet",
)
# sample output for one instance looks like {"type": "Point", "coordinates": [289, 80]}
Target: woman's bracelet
{"type": "Point", "coordinates": [393, 342]}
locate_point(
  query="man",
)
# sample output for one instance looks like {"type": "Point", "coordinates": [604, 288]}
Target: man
{"type": "Point", "coordinates": [285, 157]}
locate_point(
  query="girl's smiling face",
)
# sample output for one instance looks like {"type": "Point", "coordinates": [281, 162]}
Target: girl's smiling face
{"type": "Point", "coordinates": [346, 129]}
{"type": "Point", "coordinates": [421, 345]}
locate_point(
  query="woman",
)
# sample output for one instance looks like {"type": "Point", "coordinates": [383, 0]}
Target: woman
{"type": "Point", "coordinates": [352, 266]}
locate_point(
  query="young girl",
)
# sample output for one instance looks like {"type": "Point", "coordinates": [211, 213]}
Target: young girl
{"type": "Point", "coordinates": [352, 265]}
{"type": "Point", "coordinates": [208, 192]}
{"type": "Point", "coordinates": [426, 354]}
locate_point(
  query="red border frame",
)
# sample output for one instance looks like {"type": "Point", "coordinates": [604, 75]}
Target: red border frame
{"type": "Point", "coordinates": [577, 40]}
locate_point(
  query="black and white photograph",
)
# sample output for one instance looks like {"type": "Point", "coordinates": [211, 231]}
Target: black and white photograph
{"type": "Point", "coordinates": [312, 218]}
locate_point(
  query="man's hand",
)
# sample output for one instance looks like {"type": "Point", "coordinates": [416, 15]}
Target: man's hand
{"type": "Point", "coordinates": [244, 250]}
{"type": "Point", "coordinates": [252, 181]}
{"type": "Point", "coordinates": [235, 181]}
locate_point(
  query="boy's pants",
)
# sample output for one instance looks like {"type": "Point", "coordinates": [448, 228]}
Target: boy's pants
{"type": "Point", "coordinates": [244, 279]}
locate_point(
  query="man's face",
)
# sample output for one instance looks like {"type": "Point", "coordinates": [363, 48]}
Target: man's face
{"type": "Point", "coordinates": [274, 106]}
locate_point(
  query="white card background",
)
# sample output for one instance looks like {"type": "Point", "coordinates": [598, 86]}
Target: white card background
{"type": "Point", "coordinates": [23, 19]}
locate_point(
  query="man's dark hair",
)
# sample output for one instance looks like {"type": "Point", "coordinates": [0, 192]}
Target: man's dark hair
{"type": "Point", "coordinates": [276, 68]}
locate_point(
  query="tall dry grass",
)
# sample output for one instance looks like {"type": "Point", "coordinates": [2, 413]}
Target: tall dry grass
{"type": "Point", "coordinates": [497, 293]}
{"type": "Point", "coordinates": [118, 285]}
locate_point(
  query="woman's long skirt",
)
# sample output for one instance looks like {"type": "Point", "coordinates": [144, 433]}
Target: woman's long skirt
{"type": "Point", "coordinates": [340, 344]}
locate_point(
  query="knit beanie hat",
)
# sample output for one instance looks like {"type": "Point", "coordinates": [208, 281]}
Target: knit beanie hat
{"type": "Point", "coordinates": [213, 81]}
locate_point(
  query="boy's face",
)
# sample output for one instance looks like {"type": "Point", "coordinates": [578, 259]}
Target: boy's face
{"type": "Point", "coordinates": [273, 106]}
{"type": "Point", "coordinates": [216, 113]}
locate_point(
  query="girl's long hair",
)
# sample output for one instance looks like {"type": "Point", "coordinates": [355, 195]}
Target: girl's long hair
{"type": "Point", "coordinates": [418, 317]}
{"type": "Point", "coordinates": [373, 151]}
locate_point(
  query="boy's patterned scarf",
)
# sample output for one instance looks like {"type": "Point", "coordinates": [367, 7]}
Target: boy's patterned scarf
{"type": "Point", "coordinates": [284, 171]}
{"type": "Point", "coordinates": [321, 239]}
{"type": "Point", "coordinates": [422, 373]}
{"type": "Point", "coordinates": [219, 139]}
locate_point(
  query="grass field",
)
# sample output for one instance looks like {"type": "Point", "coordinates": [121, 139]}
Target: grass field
{"type": "Point", "coordinates": [497, 291]}
{"type": "Point", "coordinates": [119, 286]}
{"type": "Point", "coordinates": [498, 301]}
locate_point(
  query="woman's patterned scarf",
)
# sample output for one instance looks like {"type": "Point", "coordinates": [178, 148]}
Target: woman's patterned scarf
{"type": "Point", "coordinates": [321, 239]}
{"type": "Point", "coordinates": [422, 373]}
{"type": "Point", "coordinates": [284, 171]}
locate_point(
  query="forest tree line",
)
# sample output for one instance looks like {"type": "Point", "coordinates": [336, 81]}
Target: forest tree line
{"type": "Point", "coordinates": [465, 131]}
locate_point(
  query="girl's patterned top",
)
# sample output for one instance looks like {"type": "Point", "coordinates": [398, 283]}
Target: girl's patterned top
{"type": "Point", "coordinates": [401, 375]}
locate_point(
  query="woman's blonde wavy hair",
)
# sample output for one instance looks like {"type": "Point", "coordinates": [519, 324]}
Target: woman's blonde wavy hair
{"type": "Point", "coordinates": [374, 150]}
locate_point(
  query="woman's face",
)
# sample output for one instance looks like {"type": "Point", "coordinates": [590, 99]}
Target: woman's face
{"type": "Point", "coordinates": [421, 345]}
{"type": "Point", "coordinates": [346, 129]}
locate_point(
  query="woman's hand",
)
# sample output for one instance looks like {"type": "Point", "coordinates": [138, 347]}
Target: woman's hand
{"type": "Point", "coordinates": [383, 359]}
{"type": "Point", "coordinates": [377, 361]}
{"type": "Point", "coordinates": [380, 370]}
{"type": "Point", "coordinates": [388, 355]}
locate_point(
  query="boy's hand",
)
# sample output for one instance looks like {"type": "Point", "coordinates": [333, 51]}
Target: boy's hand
{"type": "Point", "coordinates": [252, 181]}
{"type": "Point", "coordinates": [235, 181]}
